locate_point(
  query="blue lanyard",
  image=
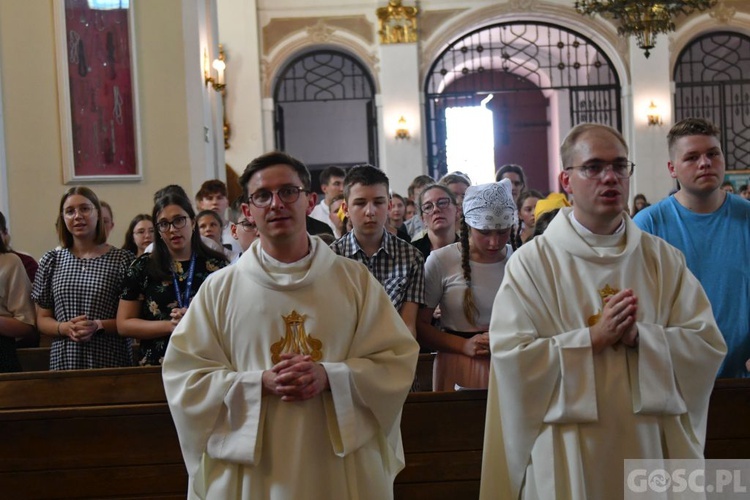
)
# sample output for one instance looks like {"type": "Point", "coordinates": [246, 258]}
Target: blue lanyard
{"type": "Point", "coordinates": [180, 301]}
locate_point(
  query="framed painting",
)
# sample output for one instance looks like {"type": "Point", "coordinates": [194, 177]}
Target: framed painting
{"type": "Point", "coordinates": [97, 90]}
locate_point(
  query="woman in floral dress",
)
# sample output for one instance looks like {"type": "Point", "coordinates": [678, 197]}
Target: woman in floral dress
{"type": "Point", "coordinates": [159, 286]}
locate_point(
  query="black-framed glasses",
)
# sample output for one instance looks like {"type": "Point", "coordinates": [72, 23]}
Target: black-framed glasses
{"type": "Point", "coordinates": [247, 226]}
{"type": "Point", "coordinates": [597, 169]}
{"type": "Point", "coordinates": [178, 223]}
{"type": "Point", "coordinates": [84, 210]}
{"type": "Point", "coordinates": [262, 198]}
{"type": "Point", "coordinates": [441, 203]}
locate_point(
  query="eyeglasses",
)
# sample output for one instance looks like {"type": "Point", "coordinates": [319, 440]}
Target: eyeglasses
{"type": "Point", "coordinates": [262, 198]}
{"type": "Point", "coordinates": [247, 226]}
{"type": "Point", "coordinates": [142, 232]}
{"type": "Point", "coordinates": [597, 169]}
{"type": "Point", "coordinates": [441, 203]}
{"type": "Point", "coordinates": [84, 210]}
{"type": "Point", "coordinates": [177, 223]}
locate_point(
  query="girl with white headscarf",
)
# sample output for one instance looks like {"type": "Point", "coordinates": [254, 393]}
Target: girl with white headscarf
{"type": "Point", "coordinates": [463, 279]}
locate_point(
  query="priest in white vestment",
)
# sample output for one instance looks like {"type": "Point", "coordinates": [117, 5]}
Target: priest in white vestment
{"type": "Point", "coordinates": [287, 376]}
{"type": "Point", "coordinates": [604, 347]}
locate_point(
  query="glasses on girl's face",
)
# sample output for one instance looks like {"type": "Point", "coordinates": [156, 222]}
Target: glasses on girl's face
{"type": "Point", "coordinates": [84, 210]}
{"type": "Point", "coordinates": [441, 203]}
{"type": "Point", "coordinates": [177, 223]}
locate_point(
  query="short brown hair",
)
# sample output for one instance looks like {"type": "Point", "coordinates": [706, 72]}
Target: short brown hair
{"type": "Point", "coordinates": [570, 141]}
{"type": "Point", "coordinates": [691, 126]}
{"type": "Point", "coordinates": [63, 235]}
{"type": "Point", "coordinates": [210, 187]}
{"type": "Point", "coordinates": [269, 160]}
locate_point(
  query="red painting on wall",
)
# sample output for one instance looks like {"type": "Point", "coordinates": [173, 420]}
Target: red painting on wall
{"type": "Point", "coordinates": [100, 125]}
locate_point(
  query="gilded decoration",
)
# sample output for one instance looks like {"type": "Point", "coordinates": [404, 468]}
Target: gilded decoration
{"type": "Point", "coordinates": [296, 340]}
{"type": "Point", "coordinates": [605, 293]}
{"type": "Point", "coordinates": [397, 24]}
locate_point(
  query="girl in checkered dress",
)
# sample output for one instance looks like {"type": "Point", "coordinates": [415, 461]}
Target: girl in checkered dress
{"type": "Point", "coordinates": [77, 287]}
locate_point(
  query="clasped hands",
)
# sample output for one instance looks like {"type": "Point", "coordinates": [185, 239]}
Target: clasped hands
{"type": "Point", "coordinates": [617, 322]}
{"type": "Point", "coordinates": [81, 328]}
{"type": "Point", "coordinates": [295, 378]}
{"type": "Point", "coordinates": [477, 346]}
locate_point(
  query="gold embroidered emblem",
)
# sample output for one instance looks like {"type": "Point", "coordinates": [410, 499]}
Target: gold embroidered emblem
{"type": "Point", "coordinates": [296, 340]}
{"type": "Point", "coordinates": [604, 293]}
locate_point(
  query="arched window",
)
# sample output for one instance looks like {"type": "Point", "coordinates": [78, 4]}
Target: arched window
{"type": "Point", "coordinates": [325, 110]}
{"type": "Point", "coordinates": [712, 81]}
{"type": "Point", "coordinates": [541, 77]}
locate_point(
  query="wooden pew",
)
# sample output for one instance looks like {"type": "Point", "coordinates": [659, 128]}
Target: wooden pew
{"type": "Point", "coordinates": [109, 434]}
{"type": "Point", "coordinates": [36, 359]}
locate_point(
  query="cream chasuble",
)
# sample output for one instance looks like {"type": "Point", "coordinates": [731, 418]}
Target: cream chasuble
{"type": "Point", "coordinates": [561, 420]}
{"type": "Point", "coordinates": [344, 443]}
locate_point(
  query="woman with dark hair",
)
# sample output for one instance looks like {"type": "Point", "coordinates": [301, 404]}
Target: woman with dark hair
{"type": "Point", "coordinates": [140, 234]}
{"type": "Point", "coordinates": [463, 278]}
{"type": "Point", "coordinates": [77, 287]}
{"type": "Point", "coordinates": [517, 177]}
{"type": "Point", "coordinates": [16, 309]}
{"type": "Point", "coordinates": [639, 203]}
{"type": "Point", "coordinates": [526, 205]}
{"type": "Point", "coordinates": [159, 285]}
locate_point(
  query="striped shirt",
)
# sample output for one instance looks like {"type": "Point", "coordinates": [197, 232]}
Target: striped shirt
{"type": "Point", "coordinates": [397, 265]}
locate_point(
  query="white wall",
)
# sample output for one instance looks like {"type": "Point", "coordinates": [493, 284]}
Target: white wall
{"type": "Point", "coordinates": [648, 144]}
{"type": "Point", "coordinates": [238, 32]}
{"type": "Point", "coordinates": [400, 95]}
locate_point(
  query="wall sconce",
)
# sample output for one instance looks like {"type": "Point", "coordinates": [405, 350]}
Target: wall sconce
{"type": "Point", "coordinates": [219, 85]}
{"type": "Point", "coordinates": [402, 132]}
{"type": "Point", "coordinates": [653, 115]}
{"type": "Point", "coordinates": [219, 65]}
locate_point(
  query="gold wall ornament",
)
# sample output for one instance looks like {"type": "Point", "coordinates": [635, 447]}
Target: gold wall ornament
{"type": "Point", "coordinates": [397, 24]}
{"type": "Point", "coordinates": [604, 293]}
{"type": "Point", "coordinates": [296, 340]}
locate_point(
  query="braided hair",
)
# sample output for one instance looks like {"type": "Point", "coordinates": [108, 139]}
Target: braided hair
{"type": "Point", "coordinates": [470, 308]}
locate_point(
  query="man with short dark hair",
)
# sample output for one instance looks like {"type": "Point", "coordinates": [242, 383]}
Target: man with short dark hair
{"type": "Point", "coordinates": [396, 264]}
{"type": "Point", "coordinates": [603, 343]}
{"type": "Point", "coordinates": [287, 375]}
{"type": "Point", "coordinates": [332, 185]}
{"type": "Point", "coordinates": [712, 229]}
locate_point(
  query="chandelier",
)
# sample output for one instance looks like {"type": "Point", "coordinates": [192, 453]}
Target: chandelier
{"type": "Point", "coordinates": [642, 18]}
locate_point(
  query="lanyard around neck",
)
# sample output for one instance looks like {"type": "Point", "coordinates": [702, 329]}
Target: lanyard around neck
{"type": "Point", "coordinates": [188, 284]}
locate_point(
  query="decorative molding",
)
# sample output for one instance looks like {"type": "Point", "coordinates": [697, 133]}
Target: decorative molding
{"type": "Point", "coordinates": [600, 31]}
{"type": "Point", "coordinates": [722, 13]}
{"type": "Point", "coordinates": [320, 32]}
{"type": "Point", "coordinates": [279, 29]}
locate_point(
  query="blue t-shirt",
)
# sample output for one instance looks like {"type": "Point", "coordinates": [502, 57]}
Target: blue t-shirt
{"type": "Point", "coordinates": [716, 248]}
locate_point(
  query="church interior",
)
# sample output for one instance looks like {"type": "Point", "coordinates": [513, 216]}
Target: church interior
{"type": "Point", "coordinates": [127, 96]}
{"type": "Point", "coordinates": [316, 78]}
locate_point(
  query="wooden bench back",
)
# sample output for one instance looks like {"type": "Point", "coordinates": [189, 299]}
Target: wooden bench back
{"type": "Point", "coordinates": [109, 434]}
